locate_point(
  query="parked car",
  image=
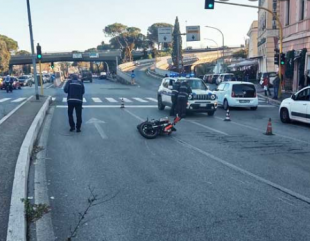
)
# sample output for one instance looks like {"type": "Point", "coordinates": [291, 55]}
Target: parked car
{"type": "Point", "coordinates": [47, 78]}
{"type": "Point", "coordinates": [103, 75]}
{"type": "Point", "coordinates": [16, 84]}
{"type": "Point", "coordinates": [271, 75]}
{"type": "Point", "coordinates": [237, 94]}
{"type": "Point", "coordinates": [25, 80]}
{"type": "Point", "coordinates": [86, 75]}
{"type": "Point", "coordinates": [225, 77]}
{"type": "Point", "coordinates": [201, 99]}
{"type": "Point", "coordinates": [296, 108]}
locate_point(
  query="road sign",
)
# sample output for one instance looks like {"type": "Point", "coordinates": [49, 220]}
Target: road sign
{"type": "Point", "coordinates": [93, 55]}
{"type": "Point", "coordinates": [164, 34]}
{"type": "Point", "coordinates": [77, 56]}
{"type": "Point", "coordinates": [192, 33]}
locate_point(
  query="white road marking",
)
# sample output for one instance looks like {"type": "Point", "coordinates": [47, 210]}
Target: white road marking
{"type": "Point", "coordinates": [97, 100]}
{"type": "Point", "coordinates": [111, 106]}
{"type": "Point", "coordinates": [64, 99]}
{"type": "Point", "coordinates": [111, 100]}
{"type": "Point", "coordinates": [54, 98]}
{"type": "Point", "coordinates": [266, 106]}
{"type": "Point", "coordinates": [18, 100]}
{"type": "Point", "coordinates": [262, 131]}
{"type": "Point", "coordinates": [84, 100]}
{"type": "Point", "coordinates": [134, 115]}
{"type": "Point", "coordinates": [140, 100]}
{"type": "Point", "coordinates": [63, 86]}
{"type": "Point", "coordinates": [127, 100]}
{"type": "Point", "coordinates": [97, 123]}
{"type": "Point", "coordinates": [49, 86]}
{"type": "Point", "coordinates": [243, 171]}
{"type": "Point", "coordinates": [207, 127]}
{"type": "Point", "coordinates": [5, 99]}
{"type": "Point", "coordinates": [152, 99]}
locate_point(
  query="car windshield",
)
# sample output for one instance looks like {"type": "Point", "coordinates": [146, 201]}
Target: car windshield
{"type": "Point", "coordinates": [196, 84]}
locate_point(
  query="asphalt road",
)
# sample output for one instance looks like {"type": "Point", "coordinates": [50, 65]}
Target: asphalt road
{"type": "Point", "coordinates": [211, 180]}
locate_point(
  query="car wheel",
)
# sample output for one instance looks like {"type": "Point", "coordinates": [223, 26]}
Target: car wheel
{"type": "Point", "coordinates": [285, 117]}
{"type": "Point", "coordinates": [161, 106]}
{"type": "Point", "coordinates": [254, 108]}
{"type": "Point", "coordinates": [211, 113]}
{"type": "Point", "coordinates": [225, 105]}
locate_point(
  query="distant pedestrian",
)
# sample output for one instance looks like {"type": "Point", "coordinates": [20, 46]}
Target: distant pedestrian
{"type": "Point", "coordinates": [266, 85]}
{"type": "Point", "coordinates": [174, 98]}
{"type": "Point", "coordinates": [133, 76]}
{"type": "Point", "coordinates": [166, 75]}
{"type": "Point", "coordinates": [75, 90]}
{"type": "Point", "coordinates": [184, 92]}
{"type": "Point", "coordinates": [276, 85]}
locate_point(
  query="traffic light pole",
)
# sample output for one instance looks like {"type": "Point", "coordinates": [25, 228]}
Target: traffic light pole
{"type": "Point", "coordinates": [32, 52]}
{"type": "Point", "coordinates": [280, 38]}
{"type": "Point", "coordinates": [41, 78]}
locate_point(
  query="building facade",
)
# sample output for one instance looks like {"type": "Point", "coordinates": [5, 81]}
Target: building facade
{"type": "Point", "coordinates": [252, 41]}
{"type": "Point", "coordinates": [268, 35]}
{"type": "Point", "coordinates": [295, 18]}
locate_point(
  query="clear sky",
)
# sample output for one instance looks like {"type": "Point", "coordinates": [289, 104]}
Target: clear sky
{"type": "Point", "coordinates": [66, 25]}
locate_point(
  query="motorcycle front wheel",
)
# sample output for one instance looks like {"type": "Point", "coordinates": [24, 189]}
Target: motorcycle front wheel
{"type": "Point", "coordinates": [147, 131]}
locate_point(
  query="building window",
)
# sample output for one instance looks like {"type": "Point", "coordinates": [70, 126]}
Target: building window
{"type": "Point", "coordinates": [302, 9]}
{"type": "Point", "coordinates": [288, 4]}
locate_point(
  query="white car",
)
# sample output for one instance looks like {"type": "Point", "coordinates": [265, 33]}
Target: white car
{"type": "Point", "coordinates": [297, 107]}
{"type": "Point", "coordinates": [201, 99]}
{"type": "Point", "coordinates": [224, 77]}
{"type": "Point", "coordinates": [237, 94]}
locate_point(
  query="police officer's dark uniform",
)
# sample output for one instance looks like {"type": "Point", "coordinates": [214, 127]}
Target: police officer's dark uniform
{"type": "Point", "coordinates": [174, 98]}
{"type": "Point", "coordinates": [184, 92]}
{"type": "Point", "coordinates": [75, 90]}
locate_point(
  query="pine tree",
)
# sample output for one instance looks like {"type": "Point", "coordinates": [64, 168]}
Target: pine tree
{"type": "Point", "coordinates": [176, 37]}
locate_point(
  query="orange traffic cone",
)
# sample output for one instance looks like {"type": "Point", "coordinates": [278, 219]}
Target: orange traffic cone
{"type": "Point", "coordinates": [269, 128]}
{"type": "Point", "coordinates": [227, 118]}
{"type": "Point", "coordinates": [122, 104]}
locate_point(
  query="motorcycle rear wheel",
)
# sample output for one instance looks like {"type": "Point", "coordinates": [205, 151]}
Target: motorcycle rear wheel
{"type": "Point", "coordinates": [147, 131]}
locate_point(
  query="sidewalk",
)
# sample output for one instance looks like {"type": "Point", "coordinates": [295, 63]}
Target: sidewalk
{"type": "Point", "coordinates": [261, 93]}
{"type": "Point", "coordinates": [12, 133]}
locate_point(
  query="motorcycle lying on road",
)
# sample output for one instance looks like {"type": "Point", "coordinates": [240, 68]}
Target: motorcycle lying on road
{"type": "Point", "coordinates": [9, 87]}
{"type": "Point", "coordinates": [150, 129]}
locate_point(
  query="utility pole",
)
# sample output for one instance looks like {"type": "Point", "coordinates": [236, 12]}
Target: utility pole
{"type": "Point", "coordinates": [32, 52]}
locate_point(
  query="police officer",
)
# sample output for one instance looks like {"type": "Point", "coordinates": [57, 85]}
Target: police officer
{"type": "Point", "coordinates": [184, 92]}
{"type": "Point", "coordinates": [75, 90]}
{"type": "Point", "coordinates": [174, 98]}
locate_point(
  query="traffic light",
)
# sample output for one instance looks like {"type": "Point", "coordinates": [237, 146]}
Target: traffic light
{"type": "Point", "coordinates": [39, 52]}
{"type": "Point", "coordinates": [276, 57]}
{"type": "Point", "coordinates": [209, 4]}
{"type": "Point", "coordinates": [52, 65]}
{"type": "Point", "coordinates": [282, 59]}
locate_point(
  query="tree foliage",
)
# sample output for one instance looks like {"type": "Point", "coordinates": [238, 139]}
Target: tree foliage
{"type": "Point", "coordinates": [22, 52]}
{"type": "Point", "coordinates": [242, 53]}
{"type": "Point", "coordinates": [12, 45]}
{"type": "Point", "coordinates": [152, 32]}
{"type": "Point", "coordinates": [4, 57]}
{"type": "Point", "coordinates": [104, 46]}
{"type": "Point", "coordinates": [175, 51]}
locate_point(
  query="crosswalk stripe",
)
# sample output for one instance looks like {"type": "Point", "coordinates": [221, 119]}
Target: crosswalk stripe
{"type": "Point", "coordinates": [18, 100]}
{"type": "Point", "coordinates": [64, 99]}
{"type": "Point", "coordinates": [53, 98]}
{"type": "Point", "coordinates": [84, 100]}
{"type": "Point", "coordinates": [140, 100]}
{"type": "Point", "coordinates": [127, 100]}
{"type": "Point", "coordinates": [152, 99]}
{"type": "Point", "coordinates": [97, 100]}
{"type": "Point", "coordinates": [5, 99]}
{"type": "Point", "coordinates": [111, 100]}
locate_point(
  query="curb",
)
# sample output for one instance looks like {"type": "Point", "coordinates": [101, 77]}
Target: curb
{"type": "Point", "coordinates": [275, 102]}
{"type": "Point", "coordinates": [148, 72]}
{"type": "Point", "coordinates": [17, 227]}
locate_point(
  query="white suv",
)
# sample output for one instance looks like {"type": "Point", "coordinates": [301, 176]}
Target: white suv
{"type": "Point", "coordinates": [201, 99]}
{"type": "Point", "coordinates": [237, 94]}
{"type": "Point", "coordinates": [297, 107]}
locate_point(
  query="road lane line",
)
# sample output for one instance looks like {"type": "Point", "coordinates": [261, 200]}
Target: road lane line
{"type": "Point", "coordinates": [13, 111]}
{"type": "Point", "coordinates": [18, 100]}
{"type": "Point", "coordinates": [111, 106]}
{"type": "Point", "coordinates": [243, 171]}
{"type": "Point", "coordinates": [49, 86]}
{"type": "Point", "coordinates": [64, 84]}
{"type": "Point", "coordinates": [84, 100]}
{"type": "Point", "coordinates": [127, 100]}
{"type": "Point", "coordinates": [207, 127]}
{"type": "Point", "coordinates": [53, 98]}
{"type": "Point", "coordinates": [97, 100]}
{"type": "Point", "coordinates": [140, 100]}
{"type": "Point", "coordinates": [64, 99]}
{"type": "Point", "coordinates": [134, 115]}
{"type": "Point", "coordinates": [4, 99]}
{"type": "Point", "coordinates": [262, 131]}
{"type": "Point", "coordinates": [152, 99]}
{"type": "Point", "coordinates": [111, 100]}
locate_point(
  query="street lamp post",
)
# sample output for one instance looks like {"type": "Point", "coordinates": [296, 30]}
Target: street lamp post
{"type": "Point", "coordinates": [217, 52]}
{"type": "Point", "coordinates": [280, 31]}
{"type": "Point", "coordinates": [223, 40]}
{"type": "Point", "coordinates": [32, 51]}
